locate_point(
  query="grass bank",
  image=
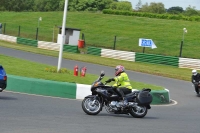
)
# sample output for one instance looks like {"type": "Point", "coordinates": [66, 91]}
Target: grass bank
{"type": "Point", "coordinates": [15, 66]}
{"type": "Point", "coordinates": [100, 29]}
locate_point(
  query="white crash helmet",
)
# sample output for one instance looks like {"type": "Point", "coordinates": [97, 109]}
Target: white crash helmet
{"type": "Point", "coordinates": [194, 72]}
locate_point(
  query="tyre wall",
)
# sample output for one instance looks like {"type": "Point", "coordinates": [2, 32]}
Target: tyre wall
{"type": "Point", "coordinates": [41, 87]}
{"type": "Point", "coordinates": [65, 89]}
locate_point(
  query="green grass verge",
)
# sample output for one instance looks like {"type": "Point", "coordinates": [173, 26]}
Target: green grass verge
{"type": "Point", "coordinates": [161, 70]}
{"type": "Point", "coordinates": [99, 30]}
{"type": "Point", "coordinates": [20, 67]}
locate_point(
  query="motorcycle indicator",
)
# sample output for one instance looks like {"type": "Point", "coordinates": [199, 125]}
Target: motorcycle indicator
{"type": "Point", "coordinates": [96, 84]}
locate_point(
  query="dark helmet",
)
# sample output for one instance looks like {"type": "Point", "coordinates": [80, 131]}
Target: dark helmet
{"type": "Point", "coordinates": [119, 69]}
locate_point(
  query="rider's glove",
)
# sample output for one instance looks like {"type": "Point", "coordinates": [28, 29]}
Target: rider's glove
{"type": "Point", "coordinates": [109, 80]}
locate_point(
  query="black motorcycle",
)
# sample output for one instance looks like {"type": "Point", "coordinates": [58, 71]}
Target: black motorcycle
{"type": "Point", "coordinates": [104, 95]}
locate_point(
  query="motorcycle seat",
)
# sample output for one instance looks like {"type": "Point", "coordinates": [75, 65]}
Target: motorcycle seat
{"type": "Point", "coordinates": [130, 94]}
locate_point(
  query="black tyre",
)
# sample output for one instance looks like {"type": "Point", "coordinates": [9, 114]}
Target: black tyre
{"type": "Point", "coordinates": [139, 111]}
{"type": "Point", "coordinates": [91, 106]}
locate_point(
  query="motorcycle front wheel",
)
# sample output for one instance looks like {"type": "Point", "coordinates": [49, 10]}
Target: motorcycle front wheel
{"type": "Point", "coordinates": [138, 111]}
{"type": "Point", "coordinates": [91, 106]}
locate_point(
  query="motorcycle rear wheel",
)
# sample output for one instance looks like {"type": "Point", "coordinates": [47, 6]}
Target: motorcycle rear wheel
{"type": "Point", "coordinates": [91, 106]}
{"type": "Point", "coordinates": [139, 111]}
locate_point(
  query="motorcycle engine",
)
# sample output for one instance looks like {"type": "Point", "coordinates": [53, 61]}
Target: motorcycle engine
{"type": "Point", "coordinates": [112, 106]}
{"type": "Point", "coordinates": [113, 103]}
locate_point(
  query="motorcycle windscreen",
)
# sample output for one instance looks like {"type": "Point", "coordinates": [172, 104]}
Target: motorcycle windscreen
{"type": "Point", "coordinates": [144, 98]}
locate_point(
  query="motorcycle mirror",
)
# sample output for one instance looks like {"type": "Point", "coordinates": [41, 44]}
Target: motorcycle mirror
{"type": "Point", "coordinates": [102, 73]}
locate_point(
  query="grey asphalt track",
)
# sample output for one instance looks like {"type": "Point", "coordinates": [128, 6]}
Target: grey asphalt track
{"type": "Point", "coordinates": [21, 113]}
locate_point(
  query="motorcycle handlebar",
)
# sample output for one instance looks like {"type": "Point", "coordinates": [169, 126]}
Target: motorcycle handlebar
{"type": "Point", "coordinates": [113, 87]}
{"type": "Point", "coordinates": [109, 86]}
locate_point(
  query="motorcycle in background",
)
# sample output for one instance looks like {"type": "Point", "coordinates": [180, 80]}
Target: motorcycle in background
{"type": "Point", "coordinates": [105, 96]}
{"type": "Point", "coordinates": [198, 84]}
{"type": "Point", "coordinates": [3, 79]}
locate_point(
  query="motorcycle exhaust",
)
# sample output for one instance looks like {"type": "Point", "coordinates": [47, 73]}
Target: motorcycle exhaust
{"type": "Point", "coordinates": [132, 104]}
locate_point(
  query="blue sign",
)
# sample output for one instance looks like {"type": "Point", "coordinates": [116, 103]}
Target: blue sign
{"type": "Point", "coordinates": [146, 43]}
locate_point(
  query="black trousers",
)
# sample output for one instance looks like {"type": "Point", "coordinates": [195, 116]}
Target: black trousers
{"type": "Point", "coordinates": [122, 91]}
{"type": "Point", "coordinates": [196, 88]}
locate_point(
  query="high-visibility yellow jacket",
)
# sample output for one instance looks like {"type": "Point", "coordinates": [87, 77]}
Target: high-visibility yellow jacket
{"type": "Point", "coordinates": [122, 81]}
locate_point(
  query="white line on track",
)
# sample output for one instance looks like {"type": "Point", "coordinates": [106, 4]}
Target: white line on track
{"type": "Point", "coordinates": [39, 95]}
{"type": "Point", "coordinates": [173, 102]}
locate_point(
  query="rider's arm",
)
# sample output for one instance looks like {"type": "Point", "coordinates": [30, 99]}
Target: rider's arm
{"type": "Point", "coordinates": [109, 80]}
{"type": "Point", "coordinates": [198, 78]}
{"type": "Point", "coordinates": [192, 79]}
{"type": "Point", "coordinates": [118, 79]}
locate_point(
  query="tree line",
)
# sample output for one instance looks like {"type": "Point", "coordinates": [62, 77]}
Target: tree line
{"type": "Point", "coordinates": [58, 5]}
{"type": "Point", "coordinates": [159, 8]}
{"type": "Point", "coordinates": [91, 5]}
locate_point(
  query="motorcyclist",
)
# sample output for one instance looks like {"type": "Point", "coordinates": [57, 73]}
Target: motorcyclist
{"type": "Point", "coordinates": [195, 80]}
{"type": "Point", "coordinates": [122, 84]}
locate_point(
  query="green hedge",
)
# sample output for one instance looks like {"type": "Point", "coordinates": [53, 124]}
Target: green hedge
{"type": "Point", "coordinates": [151, 15]}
